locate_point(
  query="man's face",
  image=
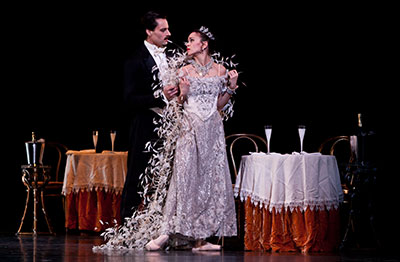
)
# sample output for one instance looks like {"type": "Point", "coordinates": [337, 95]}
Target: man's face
{"type": "Point", "coordinates": [160, 35]}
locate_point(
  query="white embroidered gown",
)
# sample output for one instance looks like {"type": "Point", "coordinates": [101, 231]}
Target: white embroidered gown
{"type": "Point", "coordinates": [200, 201]}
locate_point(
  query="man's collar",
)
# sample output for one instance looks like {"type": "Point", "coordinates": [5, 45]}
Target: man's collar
{"type": "Point", "coordinates": [153, 48]}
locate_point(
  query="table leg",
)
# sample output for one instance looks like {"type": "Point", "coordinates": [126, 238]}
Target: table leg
{"type": "Point", "coordinates": [45, 213]}
{"type": "Point", "coordinates": [26, 207]}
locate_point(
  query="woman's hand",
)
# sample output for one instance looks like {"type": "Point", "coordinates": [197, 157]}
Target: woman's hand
{"type": "Point", "coordinates": [184, 88]}
{"type": "Point", "coordinates": [233, 77]}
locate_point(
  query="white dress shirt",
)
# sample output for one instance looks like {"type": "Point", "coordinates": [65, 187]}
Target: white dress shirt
{"type": "Point", "coordinates": [160, 58]}
{"type": "Point", "coordinates": [157, 53]}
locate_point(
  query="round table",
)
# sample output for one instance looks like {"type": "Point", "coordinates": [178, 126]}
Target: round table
{"type": "Point", "coordinates": [93, 183]}
{"type": "Point", "coordinates": [291, 201]}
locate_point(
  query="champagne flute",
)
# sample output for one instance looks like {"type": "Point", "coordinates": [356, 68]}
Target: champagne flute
{"type": "Point", "coordinates": [268, 131]}
{"type": "Point", "coordinates": [95, 138]}
{"type": "Point", "coordinates": [302, 131]}
{"type": "Point", "coordinates": [113, 133]}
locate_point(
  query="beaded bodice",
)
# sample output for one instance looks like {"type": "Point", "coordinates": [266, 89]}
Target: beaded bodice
{"type": "Point", "coordinates": [203, 95]}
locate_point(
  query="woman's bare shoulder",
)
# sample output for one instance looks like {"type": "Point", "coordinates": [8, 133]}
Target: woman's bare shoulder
{"type": "Point", "coordinates": [220, 69]}
{"type": "Point", "coordinates": [186, 69]}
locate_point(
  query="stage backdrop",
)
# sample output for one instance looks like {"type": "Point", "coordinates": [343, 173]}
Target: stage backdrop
{"type": "Point", "coordinates": [65, 69]}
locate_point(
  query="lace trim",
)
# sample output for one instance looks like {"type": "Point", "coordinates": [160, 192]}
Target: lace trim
{"type": "Point", "coordinates": [89, 188]}
{"type": "Point", "coordinates": [327, 204]}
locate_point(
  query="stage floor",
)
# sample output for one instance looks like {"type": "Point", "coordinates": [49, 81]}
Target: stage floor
{"type": "Point", "coordinates": [79, 248]}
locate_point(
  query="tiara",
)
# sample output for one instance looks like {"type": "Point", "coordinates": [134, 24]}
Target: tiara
{"type": "Point", "coordinates": [205, 31]}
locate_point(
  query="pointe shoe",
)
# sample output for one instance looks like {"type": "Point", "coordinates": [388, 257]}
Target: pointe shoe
{"type": "Point", "coordinates": [207, 247]}
{"type": "Point", "coordinates": [151, 246]}
{"type": "Point", "coordinates": [157, 244]}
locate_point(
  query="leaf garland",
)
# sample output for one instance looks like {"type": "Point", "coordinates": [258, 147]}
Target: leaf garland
{"type": "Point", "coordinates": [145, 223]}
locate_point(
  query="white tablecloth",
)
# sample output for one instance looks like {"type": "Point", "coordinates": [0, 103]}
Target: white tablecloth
{"type": "Point", "coordinates": [289, 181]}
{"type": "Point", "coordinates": [89, 171]}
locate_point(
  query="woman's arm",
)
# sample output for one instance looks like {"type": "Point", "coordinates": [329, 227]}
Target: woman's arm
{"type": "Point", "coordinates": [183, 86]}
{"type": "Point", "coordinates": [232, 86]}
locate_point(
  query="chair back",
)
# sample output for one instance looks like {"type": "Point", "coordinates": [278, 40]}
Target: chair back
{"type": "Point", "coordinates": [55, 156]}
{"type": "Point", "coordinates": [241, 144]}
{"type": "Point", "coordinates": [338, 146]}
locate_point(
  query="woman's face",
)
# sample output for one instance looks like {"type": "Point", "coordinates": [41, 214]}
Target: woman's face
{"type": "Point", "coordinates": [194, 44]}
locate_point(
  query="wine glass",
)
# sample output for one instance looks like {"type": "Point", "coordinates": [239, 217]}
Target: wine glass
{"type": "Point", "coordinates": [95, 138]}
{"type": "Point", "coordinates": [113, 133]}
{"type": "Point", "coordinates": [302, 131]}
{"type": "Point", "coordinates": [268, 131]}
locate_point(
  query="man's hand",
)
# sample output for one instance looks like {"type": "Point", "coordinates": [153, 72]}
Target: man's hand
{"type": "Point", "coordinates": [170, 92]}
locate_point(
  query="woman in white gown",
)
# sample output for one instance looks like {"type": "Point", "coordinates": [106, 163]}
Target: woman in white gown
{"type": "Point", "coordinates": [200, 201]}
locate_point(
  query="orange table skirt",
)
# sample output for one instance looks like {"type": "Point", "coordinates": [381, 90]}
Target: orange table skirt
{"type": "Point", "coordinates": [307, 231]}
{"type": "Point", "coordinates": [85, 209]}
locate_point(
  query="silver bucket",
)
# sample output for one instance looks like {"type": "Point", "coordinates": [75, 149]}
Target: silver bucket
{"type": "Point", "coordinates": [34, 152]}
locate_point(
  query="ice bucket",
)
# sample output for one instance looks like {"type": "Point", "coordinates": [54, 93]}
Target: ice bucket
{"type": "Point", "coordinates": [34, 151]}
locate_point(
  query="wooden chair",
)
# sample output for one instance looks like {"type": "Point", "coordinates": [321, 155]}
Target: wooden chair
{"type": "Point", "coordinates": [238, 145]}
{"type": "Point", "coordinates": [233, 139]}
{"type": "Point", "coordinates": [332, 142]}
{"type": "Point", "coordinates": [340, 147]}
{"type": "Point", "coordinates": [346, 154]}
{"type": "Point", "coordinates": [54, 156]}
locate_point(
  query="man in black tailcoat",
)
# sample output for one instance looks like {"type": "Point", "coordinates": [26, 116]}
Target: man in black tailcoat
{"type": "Point", "coordinates": [142, 104]}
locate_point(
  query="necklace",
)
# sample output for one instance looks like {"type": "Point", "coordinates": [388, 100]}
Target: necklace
{"type": "Point", "coordinates": [202, 70]}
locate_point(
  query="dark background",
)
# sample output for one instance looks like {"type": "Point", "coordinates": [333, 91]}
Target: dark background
{"type": "Point", "coordinates": [316, 65]}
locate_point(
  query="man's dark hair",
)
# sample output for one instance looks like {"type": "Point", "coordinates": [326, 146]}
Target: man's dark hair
{"type": "Point", "coordinates": [149, 20]}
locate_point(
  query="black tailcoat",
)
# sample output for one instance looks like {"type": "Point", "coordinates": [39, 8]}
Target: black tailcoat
{"type": "Point", "coordinates": [138, 98]}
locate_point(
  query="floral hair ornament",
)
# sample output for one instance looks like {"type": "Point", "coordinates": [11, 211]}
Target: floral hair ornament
{"type": "Point", "coordinates": [207, 32]}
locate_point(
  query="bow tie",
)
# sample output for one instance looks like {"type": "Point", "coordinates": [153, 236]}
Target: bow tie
{"type": "Point", "coordinates": [159, 50]}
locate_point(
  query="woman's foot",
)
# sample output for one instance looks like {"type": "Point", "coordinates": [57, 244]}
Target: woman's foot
{"type": "Point", "coordinates": [157, 243]}
{"type": "Point", "coordinates": [207, 247]}
{"type": "Point", "coordinates": [151, 246]}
